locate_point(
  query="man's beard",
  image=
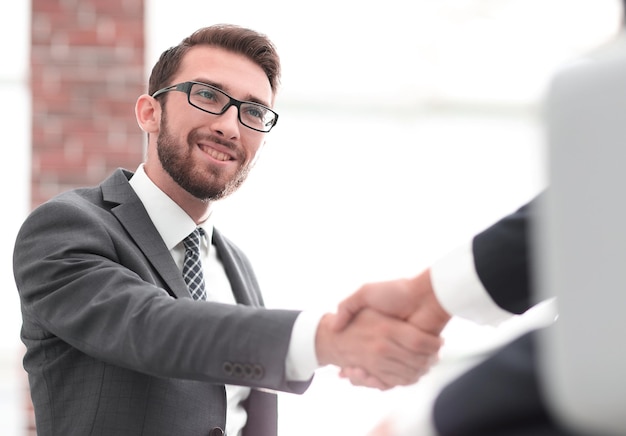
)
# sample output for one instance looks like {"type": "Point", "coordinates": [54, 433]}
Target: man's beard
{"type": "Point", "coordinates": [177, 160]}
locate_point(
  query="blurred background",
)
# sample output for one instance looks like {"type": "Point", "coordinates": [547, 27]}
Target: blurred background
{"type": "Point", "coordinates": [403, 130]}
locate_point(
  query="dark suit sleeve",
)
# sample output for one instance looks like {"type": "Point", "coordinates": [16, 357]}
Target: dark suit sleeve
{"type": "Point", "coordinates": [501, 260]}
{"type": "Point", "coordinates": [500, 396]}
{"type": "Point", "coordinates": [85, 286]}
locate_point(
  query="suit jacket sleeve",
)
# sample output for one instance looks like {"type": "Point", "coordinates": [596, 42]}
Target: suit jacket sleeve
{"type": "Point", "coordinates": [501, 258]}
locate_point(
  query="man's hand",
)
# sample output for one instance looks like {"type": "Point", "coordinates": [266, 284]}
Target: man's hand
{"type": "Point", "coordinates": [410, 300]}
{"type": "Point", "coordinates": [391, 351]}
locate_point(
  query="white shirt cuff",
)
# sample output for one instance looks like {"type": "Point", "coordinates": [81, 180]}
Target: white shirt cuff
{"type": "Point", "coordinates": [460, 291]}
{"type": "Point", "coordinates": [301, 360]}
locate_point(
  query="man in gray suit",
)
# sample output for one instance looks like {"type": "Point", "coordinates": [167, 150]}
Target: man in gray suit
{"type": "Point", "coordinates": [116, 345]}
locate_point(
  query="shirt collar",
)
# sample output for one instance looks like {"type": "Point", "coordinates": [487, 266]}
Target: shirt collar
{"type": "Point", "coordinates": [172, 222]}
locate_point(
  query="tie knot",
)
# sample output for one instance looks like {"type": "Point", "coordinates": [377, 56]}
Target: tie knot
{"type": "Point", "coordinates": [192, 241]}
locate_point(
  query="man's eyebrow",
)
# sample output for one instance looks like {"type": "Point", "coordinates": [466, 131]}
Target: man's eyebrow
{"type": "Point", "coordinates": [210, 82]}
{"type": "Point", "coordinates": [249, 98]}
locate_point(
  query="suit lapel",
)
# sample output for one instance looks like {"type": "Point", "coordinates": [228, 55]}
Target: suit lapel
{"type": "Point", "coordinates": [242, 281]}
{"type": "Point", "coordinates": [134, 218]}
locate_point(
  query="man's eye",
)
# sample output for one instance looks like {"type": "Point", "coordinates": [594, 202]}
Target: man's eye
{"type": "Point", "coordinates": [206, 94]}
{"type": "Point", "coordinates": [255, 112]}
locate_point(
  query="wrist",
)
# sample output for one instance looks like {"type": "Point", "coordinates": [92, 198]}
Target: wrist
{"type": "Point", "coordinates": [432, 315]}
{"type": "Point", "coordinates": [323, 341]}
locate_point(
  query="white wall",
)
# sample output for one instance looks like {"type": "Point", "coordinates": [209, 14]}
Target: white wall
{"type": "Point", "coordinates": [15, 183]}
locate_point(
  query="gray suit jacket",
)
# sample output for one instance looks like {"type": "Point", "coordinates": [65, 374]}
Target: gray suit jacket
{"type": "Point", "coordinates": [116, 346]}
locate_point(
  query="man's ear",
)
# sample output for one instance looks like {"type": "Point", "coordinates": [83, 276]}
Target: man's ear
{"type": "Point", "coordinates": [148, 113]}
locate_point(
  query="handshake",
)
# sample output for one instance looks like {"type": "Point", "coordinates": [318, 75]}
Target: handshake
{"type": "Point", "coordinates": [386, 334]}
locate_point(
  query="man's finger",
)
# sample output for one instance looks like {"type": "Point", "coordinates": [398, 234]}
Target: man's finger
{"type": "Point", "coordinates": [346, 310]}
{"type": "Point", "coordinates": [360, 377]}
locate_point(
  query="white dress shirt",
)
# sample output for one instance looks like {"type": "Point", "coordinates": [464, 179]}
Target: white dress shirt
{"type": "Point", "coordinates": [460, 291]}
{"type": "Point", "coordinates": [173, 224]}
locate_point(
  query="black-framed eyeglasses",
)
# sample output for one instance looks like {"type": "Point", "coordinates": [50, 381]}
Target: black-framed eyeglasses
{"type": "Point", "coordinates": [213, 100]}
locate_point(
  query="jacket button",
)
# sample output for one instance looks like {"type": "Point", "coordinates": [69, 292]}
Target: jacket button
{"type": "Point", "coordinates": [238, 370]}
{"type": "Point", "coordinates": [216, 432]}
{"type": "Point", "coordinates": [257, 372]}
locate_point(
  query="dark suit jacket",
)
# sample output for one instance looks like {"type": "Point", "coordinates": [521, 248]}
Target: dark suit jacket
{"type": "Point", "coordinates": [116, 346]}
{"type": "Point", "coordinates": [502, 395]}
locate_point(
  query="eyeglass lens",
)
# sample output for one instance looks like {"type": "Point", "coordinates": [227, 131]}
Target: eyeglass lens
{"type": "Point", "coordinates": [215, 101]}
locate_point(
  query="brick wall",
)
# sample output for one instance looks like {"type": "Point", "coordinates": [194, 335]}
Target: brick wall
{"type": "Point", "coordinates": [87, 70]}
